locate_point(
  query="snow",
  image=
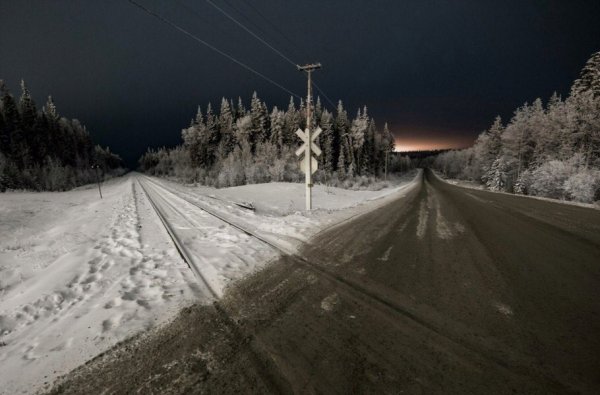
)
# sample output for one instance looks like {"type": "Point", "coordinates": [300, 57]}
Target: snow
{"type": "Point", "coordinates": [474, 185]}
{"type": "Point", "coordinates": [79, 274]}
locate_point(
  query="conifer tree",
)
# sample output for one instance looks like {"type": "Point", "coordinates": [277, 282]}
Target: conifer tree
{"type": "Point", "coordinates": [589, 79]}
{"type": "Point", "coordinates": [241, 109]}
{"type": "Point", "coordinates": [292, 122]}
{"type": "Point", "coordinates": [341, 165]}
{"type": "Point", "coordinates": [258, 131]}
{"type": "Point", "coordinates": [50, 110]}
{"type": "Point", "coordinates": [277, 129]}
{"type": "Point", "coordinates": [326, 141]}
{"type": "Point", "coordinates": [26, 107]}
{"type": "Point", "coordinates": [226, 126]}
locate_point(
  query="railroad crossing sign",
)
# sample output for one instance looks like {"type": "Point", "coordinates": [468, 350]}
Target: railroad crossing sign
{"type": "Point", "coordinates": [304, 137]}
{"type": "Point", "coordinates": [304, 149]}
{"type": "Point", "coordinates": [313, 165]}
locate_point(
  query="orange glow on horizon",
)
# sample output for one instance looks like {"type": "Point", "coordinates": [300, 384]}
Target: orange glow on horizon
{"type": "Point", "coordinates": [404, 145]}
{"type": "Point", "coordinates": [428, 138]}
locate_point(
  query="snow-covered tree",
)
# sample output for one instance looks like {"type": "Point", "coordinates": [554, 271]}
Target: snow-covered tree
{"type": "Point", "coordinates": [258, 115]}
{"type": "Point", "coordinates": [552, 151]}
{"type": "Point", "coordinates": [242, 146]}
{"type": "Point", "coordinates": [589, 79]}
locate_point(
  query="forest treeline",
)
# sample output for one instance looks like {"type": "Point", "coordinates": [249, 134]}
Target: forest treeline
{"type": "Point", "coordinates": [245, 146]}
{"type": "Point", "coordinates": [40, 150]}
{"type": "Point", "coordinates": [550, 150]}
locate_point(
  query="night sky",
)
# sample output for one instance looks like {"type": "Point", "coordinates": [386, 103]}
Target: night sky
{"type": "Point", "coordinates": [437, 71]}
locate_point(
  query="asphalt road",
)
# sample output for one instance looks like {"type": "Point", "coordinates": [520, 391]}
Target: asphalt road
{"type": "Point", "coordinates": [447, 290]}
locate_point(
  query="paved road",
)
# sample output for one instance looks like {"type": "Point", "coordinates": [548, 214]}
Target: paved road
{"type": "Point", "coordinates": [447, 290]}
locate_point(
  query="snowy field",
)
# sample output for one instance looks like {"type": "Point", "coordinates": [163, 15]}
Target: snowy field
{"type": "Point", "coordinates": [79, 274]}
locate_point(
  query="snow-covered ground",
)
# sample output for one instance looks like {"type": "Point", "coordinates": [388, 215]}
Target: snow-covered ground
{"type": "Point", "coordinates": [78, 274]}
{"type": "Point", "coordinates": [475, 185]}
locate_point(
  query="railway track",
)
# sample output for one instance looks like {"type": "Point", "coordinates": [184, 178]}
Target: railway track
{"type": "Point", "coordinates": [261, 359]}
{"type": "Point", "coordinates": [183, 252]}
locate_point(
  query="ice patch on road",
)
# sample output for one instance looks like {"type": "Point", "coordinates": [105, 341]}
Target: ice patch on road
{"type": "Point", "coordinates": [386, 254]}
{"type": "Point", "coordinates": [476, 197]}
{"type": "Point", "coordinates": [423, 216]}
{"type": "Point", "coordinates": [443, 228]}
{"type": "Point", "coordinates": [503, 309]}
{"type": "Point", "coordinates": [329, 303]}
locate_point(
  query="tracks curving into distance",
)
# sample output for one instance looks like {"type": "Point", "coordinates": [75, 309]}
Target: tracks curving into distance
{"type": "Point", "coordinates": [500, 355]}
{"type": "Point", "coordinates": [183, 252]}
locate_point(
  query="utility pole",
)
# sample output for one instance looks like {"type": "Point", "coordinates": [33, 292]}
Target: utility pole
{"type": "Point", "coordinates": [386, 163]}
{"type": "Point", "coordinates": [309, 164]}
{"type": "Point", "coordinates": [96, 167]}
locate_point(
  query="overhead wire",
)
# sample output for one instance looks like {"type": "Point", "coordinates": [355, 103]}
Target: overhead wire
{"type": "Point", "coordinates": [245, 16]}
{"type": "Point", "coordinates": [222, 11]}
{"type": "Point", "coordinates": [324, 95]}
{"type": "Point", "coordinates": [212, 47]}
{"type": "Point", "coordinates": [256, 36]}
{"type": "Point", "coordinates": [274, 27]}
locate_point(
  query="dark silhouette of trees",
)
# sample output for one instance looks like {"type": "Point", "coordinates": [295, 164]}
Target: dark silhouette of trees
{"type": "Point", "coordinates": [40, 150]}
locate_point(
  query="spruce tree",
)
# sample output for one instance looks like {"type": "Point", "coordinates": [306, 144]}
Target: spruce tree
{"type": "Point", "coordinates": [292, 123]}
{"type": "Point", "coordinates": [240, 110]}
{"type": "Point", "coordinates": [589, 79]}
{"type": "Point", "coordinates": [326, 141]}
{"type": "Point", "coordinates": [341, 128]}
{"type": "Point", "coordinates": [27, 108]}
{"type": "Point", "coordinates": [226, 126]}
{"type": "Point", "coordinates": [318, 110]}
{"type": "Point", "coordinates": [341, 165]}
{"type": "Point", "coordinates": [212, 131]}
{"type": "Point", "coordinates": [258, 131]}
{"type": "Point", "coordinates": [277, 129]}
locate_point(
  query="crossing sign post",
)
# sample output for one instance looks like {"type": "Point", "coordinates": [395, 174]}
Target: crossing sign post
{"type": "Point", "coordinates": [308, 164]}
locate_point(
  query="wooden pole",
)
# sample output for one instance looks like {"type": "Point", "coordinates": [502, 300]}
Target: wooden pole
{"type": "Point", "coordinates": [98, 179]}
{"type": "Point", "coordinates": [309, 68]}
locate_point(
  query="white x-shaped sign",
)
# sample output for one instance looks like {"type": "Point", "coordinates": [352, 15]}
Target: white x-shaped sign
{"type": "Point", "coordinates": [304, 137]}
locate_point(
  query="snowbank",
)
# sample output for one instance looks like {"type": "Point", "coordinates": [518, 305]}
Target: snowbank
{"type": "Point", "coordinates": [474, 185]}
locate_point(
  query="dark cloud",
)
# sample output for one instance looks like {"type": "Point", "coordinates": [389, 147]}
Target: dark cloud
{"type": "Point", "coordinates": [435, 70]}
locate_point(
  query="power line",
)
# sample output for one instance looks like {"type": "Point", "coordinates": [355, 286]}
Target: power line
{"type": "Point", "coordinates": [281, 33]}
{"type": "Point", "coordinates": [244, 15]}
{"type": "Point", "coordinates": [205, 18]}
{"type": "Point", "coordinates": [251, 32]}
{"type": "Point", "coordinates": [196, 38]}
{"type": "Point", "coordinates": [324, 95]}
{"type": "Point", "coordinates": [266, 43]}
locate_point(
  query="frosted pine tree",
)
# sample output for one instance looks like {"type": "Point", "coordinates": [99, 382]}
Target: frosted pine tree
{"type": "Point", "coordinates": [213, 138]}
{"type": "Point", "coordinates": [326, 141]}
{"type": "Point", "coordinates": [341, 166]}
{"type": "Point", "coordinates": [318, 107]}
{"type": "Point", "coordinates": [342, 128]}
{"type": "Point", "coordinates": [258, 131]}
{"type": "Point", "coordinates": [589, 79]}
{"type": "Point", "coordinates": [50, 110]}
{"type": "Point", "coordinates": [240, 110]}
{"type": "Point", "coordinates": [26, 107]}
{"type": "Point", "coordinates": [226, 127]}
{"type": "Point", "coordinates": [277, 129]}
{"type": "Point", "coordinates": [292, 123]}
